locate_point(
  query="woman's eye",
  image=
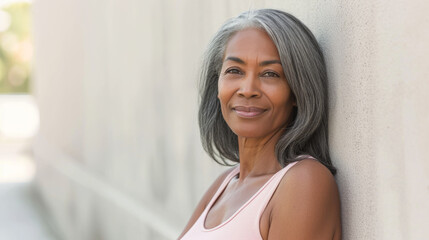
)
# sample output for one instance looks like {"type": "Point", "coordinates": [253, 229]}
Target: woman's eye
{"type": "Point", "coordinates": [232, 71]}
{"type": "Point", "coordinates": [270, 74]}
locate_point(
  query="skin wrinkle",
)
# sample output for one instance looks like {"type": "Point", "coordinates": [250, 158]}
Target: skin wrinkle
{"type": "Point", "coordinates": [263, 63]}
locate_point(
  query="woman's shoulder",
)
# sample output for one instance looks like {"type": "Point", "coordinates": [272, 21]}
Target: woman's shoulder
{"type": "Point", "coordinates": [308, 194]}
{"type": "Point", "coordinates": [208, 195]}
{"type": "Point", "coordinates": [309, 171]}
{"type": "Point", "coordinates": [308, 177]}
{"type": "Point", "coordinates": [211, 191]}
{"type": "Point", "coordinates": [216, 184]}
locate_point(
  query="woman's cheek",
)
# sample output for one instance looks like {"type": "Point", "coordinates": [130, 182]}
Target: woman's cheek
{"type": "Point", "coordinates": [223, 89]}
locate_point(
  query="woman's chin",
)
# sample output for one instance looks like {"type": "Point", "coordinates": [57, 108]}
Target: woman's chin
{"type": "Point", "coordinates": [249, 133]}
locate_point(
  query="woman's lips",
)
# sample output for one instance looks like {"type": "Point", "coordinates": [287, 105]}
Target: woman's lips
{"type": "Point", "coordinates": [248, 112]}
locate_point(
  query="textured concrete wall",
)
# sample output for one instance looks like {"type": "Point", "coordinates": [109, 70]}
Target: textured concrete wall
{"type": "Point", "coordinates": [118, 150]}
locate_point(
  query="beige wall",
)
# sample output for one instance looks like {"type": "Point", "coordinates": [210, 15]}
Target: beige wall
{"type": "Point", "coordinates": [118, 151]}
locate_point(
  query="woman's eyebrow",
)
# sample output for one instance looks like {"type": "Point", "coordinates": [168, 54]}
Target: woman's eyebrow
{"type": "Point", "coordinates": [264, 63]}
{"type": "Point", "coordinates": [235, 59]}
{"type": "Point", "coordinates": [269, 62]}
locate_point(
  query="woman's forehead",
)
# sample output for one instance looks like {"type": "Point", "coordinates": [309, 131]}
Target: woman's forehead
{"type": "Point", "coordinates": [251, 43]}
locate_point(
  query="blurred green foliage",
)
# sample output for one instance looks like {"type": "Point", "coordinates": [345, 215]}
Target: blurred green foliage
{"type": "Point", "coordinates": [16, 48]}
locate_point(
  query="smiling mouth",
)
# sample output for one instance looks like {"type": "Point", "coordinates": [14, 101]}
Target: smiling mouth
{"type": "Point", "coordinates": [248, 112]}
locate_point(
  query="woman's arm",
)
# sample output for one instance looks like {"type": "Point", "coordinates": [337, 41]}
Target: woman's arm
{"type": "Point", "coordinates": [205, 200]}
{"type": "Point", "coordinates": [306, 204]}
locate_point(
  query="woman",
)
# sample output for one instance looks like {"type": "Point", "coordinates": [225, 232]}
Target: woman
{"type": "Point", "coordinates": [264, 106]}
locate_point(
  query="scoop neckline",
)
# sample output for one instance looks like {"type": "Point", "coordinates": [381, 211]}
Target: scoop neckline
{"type": "Point", "coordinates": [216, 197]}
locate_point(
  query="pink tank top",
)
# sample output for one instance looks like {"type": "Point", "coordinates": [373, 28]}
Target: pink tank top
{"type": "Point", "coordinates": [244, 223]}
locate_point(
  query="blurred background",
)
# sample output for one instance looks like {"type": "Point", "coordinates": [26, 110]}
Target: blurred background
{"type": "Point", "coordinates": [98, 114]}
{"type": "Point", "coordinates": [21, 214]}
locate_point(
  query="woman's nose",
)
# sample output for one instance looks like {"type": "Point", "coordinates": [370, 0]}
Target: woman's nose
{"type": "Point", "coordinates": [249, 87]}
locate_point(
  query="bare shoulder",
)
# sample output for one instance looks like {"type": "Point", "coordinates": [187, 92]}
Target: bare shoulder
{"type": "Point", "coordinates": [215, 186]}
{"type": "Point", "coordinates": [309, 174]}
{"type": "Point", "coordinates": [206, 199]}
{"type": "Point", "coordinates": [306, 204]}
{"type": "Point", "coordinates": [310, 182]}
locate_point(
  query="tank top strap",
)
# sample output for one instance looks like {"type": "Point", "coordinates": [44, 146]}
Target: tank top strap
{"type": "Point", "coordinates": [222, 186]}
{"type": "Point", "coordinates": [271, 187]}
{"type": "Point", "coordinates": [245, 222]}
{"type": "Point", "coordinates": [261, 203]}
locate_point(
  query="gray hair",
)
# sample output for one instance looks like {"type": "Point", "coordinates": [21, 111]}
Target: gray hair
{"type": "Point", "coordinates": [305, 71]}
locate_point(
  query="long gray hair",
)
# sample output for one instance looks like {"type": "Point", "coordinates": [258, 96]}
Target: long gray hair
{"type": "Point", "coordinates": [305, 71]}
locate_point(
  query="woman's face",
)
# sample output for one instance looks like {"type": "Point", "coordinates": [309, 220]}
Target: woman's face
{"type": "Point", "coordinates": [255, 98]}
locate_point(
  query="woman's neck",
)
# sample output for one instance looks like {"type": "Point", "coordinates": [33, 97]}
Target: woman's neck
{"type": "Point", "coordinates": [257, 156]}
